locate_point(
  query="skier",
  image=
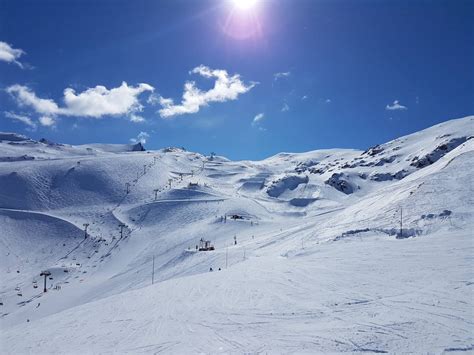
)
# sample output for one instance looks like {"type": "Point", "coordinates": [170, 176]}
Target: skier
{"type": "Point", "coordinates": [210, 269]}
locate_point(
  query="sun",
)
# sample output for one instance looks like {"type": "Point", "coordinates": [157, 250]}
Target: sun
{"type": "Point", "coordinates": [244, 4]}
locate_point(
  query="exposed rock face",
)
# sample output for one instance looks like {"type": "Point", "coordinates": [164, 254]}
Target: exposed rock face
{"type": "Point", "coordinates": [373, 150]}
{"type": "Point", "coordinates": [290, 182]}
{"type": "Point", "coordinates": [48, 142]}
{"type": "Point", "coordinates": [337, 181]}
{"type": "Point", "coordinates": [138, 147]}
{"type": "Point", "coordinates": [388, 176]}
{"type": "Point", "coordinates": [438, 153]}
{"type": "Point", "coordinates": [12, 137]}
{"type": "Point", "coordinates": [307, 165]}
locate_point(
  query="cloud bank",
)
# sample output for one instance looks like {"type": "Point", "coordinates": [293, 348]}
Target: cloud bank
{"type": "Point", "coordinates": [281, 75]}
{"type": "Point", "coordinates": [258, 118]}
{"type": "Point", "coordinates": [21, 118]}
{"type": "Point", "coordinates": [257, 121]}
{"type": "Point", "coordinates": [10, 55]}
{"type": "Point", "coordinates": [396, 106]}
{"type": "Point", "coordinates": [226, 88]}
{"type": "Point", "coordinates": [99, 101]}
{"type": "Point", "coordinates": [141, 138]}
{"type": "Point", "coordinates": [96, 102]}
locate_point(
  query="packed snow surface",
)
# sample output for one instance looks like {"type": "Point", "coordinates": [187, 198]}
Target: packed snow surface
{"type": "Point", "coordinates": [326, 251]}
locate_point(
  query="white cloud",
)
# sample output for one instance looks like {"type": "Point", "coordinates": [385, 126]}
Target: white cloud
{"type": "Point", "coordinates": [281, 75]}
{"type": "Point", "coordinates": [24, 96]}
{"type": "Point", "coordinates": [136, 118]}
{"type": "Point", "coordinates": [94, 102]}
{"type": "Point", "coordinates": [305, 97]}
{"type": "Point", "coordinates": [225, 88]}
{"type": "Point", "coordinates": [99, 101]}
{"type": "Point", "coordinates": [153, 99]}
{"type": "Point", "coordinates": [47, 121]}
{"type": "Point", "coordinates": [20, 118]}
{"type": "Point", "coordinates": [396, 106]}
{"type": "Point", "coordinates": [10, 55]}
{"type": "Point", "coordinates": [257, 121]}
{"type": "Point", "coordinates": [142, 137]}
{"type": "Point", "coordinates": [328, 101]}
{"type": "Point", "coordinates": [285, 108]}
{"type": "Point", "coordinates": [258, 118]}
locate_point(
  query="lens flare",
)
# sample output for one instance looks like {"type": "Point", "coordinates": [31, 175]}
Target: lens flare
{"type": "Point", "coordinates": [243, 20]}
{"type": "Point", "coordinates": [244, 4]}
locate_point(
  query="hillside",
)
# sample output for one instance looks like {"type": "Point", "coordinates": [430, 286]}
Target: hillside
{"type": "Point", "coordinates": [310, 254]}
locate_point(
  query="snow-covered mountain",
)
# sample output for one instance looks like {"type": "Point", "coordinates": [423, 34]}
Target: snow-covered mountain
{"type": "Point", "coordinates": [310, 254]}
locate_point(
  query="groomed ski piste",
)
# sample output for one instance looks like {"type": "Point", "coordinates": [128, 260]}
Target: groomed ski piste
{"type": "Point", "coordinates": [326, 251]}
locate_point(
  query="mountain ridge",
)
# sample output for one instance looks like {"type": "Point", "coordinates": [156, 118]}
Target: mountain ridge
{"type": "Point", "coordinates": [324, 211]}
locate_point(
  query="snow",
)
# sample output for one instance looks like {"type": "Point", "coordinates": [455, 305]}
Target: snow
{"type": "Point", "coordinates": [315, 269]}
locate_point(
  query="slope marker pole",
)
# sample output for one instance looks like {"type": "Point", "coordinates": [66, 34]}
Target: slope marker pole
{"type": "Point", "coordinates": [401, 222]}
{"type": "Point", "coordinates": [153, 272]}
{"type": "Point", "coordinates": [85, 229]}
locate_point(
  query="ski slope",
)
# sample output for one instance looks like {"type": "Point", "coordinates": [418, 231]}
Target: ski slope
{"type": "Point", "coordinates": [321, 262]}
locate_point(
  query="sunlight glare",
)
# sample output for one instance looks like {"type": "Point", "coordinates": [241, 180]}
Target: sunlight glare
{"type": "Point", "coordinates": [244, 4]}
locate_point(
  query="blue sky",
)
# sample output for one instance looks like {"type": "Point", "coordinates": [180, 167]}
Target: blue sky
{"type": "Point", "coordinates": [277, 75]}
